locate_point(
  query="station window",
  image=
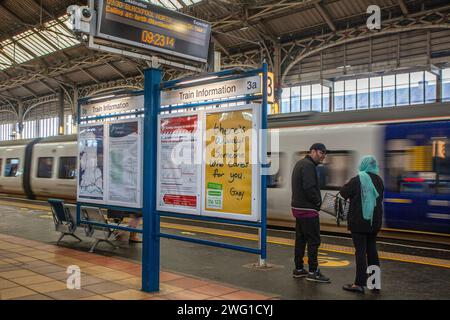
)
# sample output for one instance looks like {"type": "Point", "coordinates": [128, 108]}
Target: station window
{"type": "Point", "coordinates": [67, 167]}
{"type": "Point", "coordinates": [325, 99]}
{"type": "Point", "coordinates": [446, 84]}
{"type": "Point", "coordinates": [388, 91]}
{"type": "Point", "coordinates": [367, 93]}
{"type": "Point", "coordinates": [375, 92]}
{"type": "Point", "coordinates": [430, 87]}
{"type": "Point", "coordinates": [45, 167]}
{"type": "Point", "coordinates": [339, 96]}
{"type": "Point", "coordinates": [363, 93]}
{"type": "Point", "coordinates": [402, 89]}
{"type": "Point", "coordinates": [316, 97]}
{"type": "Point", "coordinates": [12, 167]}
{"type": "Point", "coordinates": [306, 98]}
{"type": "Point", "coordinates": [286, 100]}
{"type": "Point", "coordinates": [417, 87]}
{"type": "Point", "coordinates": [295, 99]}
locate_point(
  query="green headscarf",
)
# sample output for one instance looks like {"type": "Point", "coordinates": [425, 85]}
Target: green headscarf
{"type": "Point", "coordinates": [369, 193]}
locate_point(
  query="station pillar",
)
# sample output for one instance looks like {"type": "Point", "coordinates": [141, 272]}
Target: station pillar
{"type": "Point", "coordinates": [150, 236]}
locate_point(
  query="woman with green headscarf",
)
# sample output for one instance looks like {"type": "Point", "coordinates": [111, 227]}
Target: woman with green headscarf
{"type": "Point", "coordinates": [365, 192]}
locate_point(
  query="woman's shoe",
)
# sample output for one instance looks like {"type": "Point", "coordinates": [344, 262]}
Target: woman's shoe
{"type": "Point", "coordinates": [353, 288]}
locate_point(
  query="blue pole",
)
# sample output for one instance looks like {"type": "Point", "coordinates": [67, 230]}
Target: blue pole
{"type": "Point", "coordinates": [151, 244]}
{"type": "Point", "coordinates": [263, 166]}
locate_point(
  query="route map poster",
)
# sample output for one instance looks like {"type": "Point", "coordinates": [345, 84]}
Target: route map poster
{"type": "Point", "coordinates": [91, 163]}
{"type": "Point", "coordinates": [179, 169]}
{"type": "Point", "coordinates": [124, 164]}
{"type": "Point", "coordinates": [228, 171]}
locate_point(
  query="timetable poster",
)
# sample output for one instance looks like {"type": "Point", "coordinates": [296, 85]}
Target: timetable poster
{"type": "Point", "coordinates": [91, 163]}
{"type": "Point", "coordinates": [179, 171]}
{"type": "Point", "coordinates": [228, 168]}
{"type": "Point", "coordinates": [124, 169]}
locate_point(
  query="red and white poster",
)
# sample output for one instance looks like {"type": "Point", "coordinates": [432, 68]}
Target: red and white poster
{"type": "Point", "coordinates": [179, 166]}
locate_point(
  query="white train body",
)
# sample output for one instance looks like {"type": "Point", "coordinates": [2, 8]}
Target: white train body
{"type": "Point", "coordinates": [50, 176]}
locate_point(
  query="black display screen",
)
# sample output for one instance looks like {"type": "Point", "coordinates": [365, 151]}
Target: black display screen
{"type": "Point", "coordinates": [145, 25]}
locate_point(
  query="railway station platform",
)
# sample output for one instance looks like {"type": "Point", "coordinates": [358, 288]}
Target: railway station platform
{"type": "Point", "coordinates": [33, 267]}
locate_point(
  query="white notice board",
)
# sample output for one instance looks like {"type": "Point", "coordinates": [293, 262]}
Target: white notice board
{"type": "Point", "coordinates": [124, 180]}
{"type": "Point", "coordinates": [179, 163]}
{"type": "Point", "coordinates": [91, 163]}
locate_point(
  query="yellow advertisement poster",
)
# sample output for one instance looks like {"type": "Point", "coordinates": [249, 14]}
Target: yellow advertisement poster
{"type": "Point", "coordinates": [228, 165]}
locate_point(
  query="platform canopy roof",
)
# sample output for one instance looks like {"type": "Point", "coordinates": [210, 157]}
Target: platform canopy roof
{"type": "Point", "coordinates": [39, 55]}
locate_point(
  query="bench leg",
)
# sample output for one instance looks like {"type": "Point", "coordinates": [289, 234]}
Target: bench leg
{"type": "Point", "coordinates": [76, 237]}
{"type": "Point", "coordinates": [94, 245]}
{"type": "Point", "coordinates": [60, 238]}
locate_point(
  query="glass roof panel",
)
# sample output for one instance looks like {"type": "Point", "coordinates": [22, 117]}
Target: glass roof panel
{"type": "Point", "coordinates": [173, 4]}
{"type": "Point", "coordinates": [55, 37]}
{"type": "Point", "coordinates": [38, 42]}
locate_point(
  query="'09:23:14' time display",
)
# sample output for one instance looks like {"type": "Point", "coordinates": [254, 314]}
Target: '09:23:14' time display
{"type": "Point", "coordinates": [157, 39]}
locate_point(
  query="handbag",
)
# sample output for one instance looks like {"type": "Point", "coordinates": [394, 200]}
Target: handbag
{"type": "Point", "coordinates": [336, 206]}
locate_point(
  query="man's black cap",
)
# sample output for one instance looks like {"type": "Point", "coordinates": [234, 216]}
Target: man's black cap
{"type": "Point", "coordinates": [318, 146]}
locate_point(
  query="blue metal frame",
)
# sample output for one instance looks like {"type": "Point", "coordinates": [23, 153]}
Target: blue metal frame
{"type": "Point", "coordinates": [150, 245]}
{"type": "Point", "coordinates": [152, 234]}
{"type": "Point", "coordinates": [81, 120]}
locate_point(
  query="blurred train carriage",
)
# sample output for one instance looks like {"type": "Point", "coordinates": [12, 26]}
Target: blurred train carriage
{"type": "Point", "coordinates": [414, 159]}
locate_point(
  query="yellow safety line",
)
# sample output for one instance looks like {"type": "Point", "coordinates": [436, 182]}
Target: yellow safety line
{"type": "Point", "coordinates": [272, 240]}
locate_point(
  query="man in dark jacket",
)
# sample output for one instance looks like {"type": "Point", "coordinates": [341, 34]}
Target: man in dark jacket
{"type": "Point", "coordinates": [306, 202]}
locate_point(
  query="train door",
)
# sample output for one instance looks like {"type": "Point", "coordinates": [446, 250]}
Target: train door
{"type": "Point", "coordinates": [417, 177]}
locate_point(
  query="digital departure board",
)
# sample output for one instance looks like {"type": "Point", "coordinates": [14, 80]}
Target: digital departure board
{"type": "Point", "coordinates": [145, 25]}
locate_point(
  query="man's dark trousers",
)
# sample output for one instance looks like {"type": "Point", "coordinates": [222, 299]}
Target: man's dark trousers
{"type": "Point", "coordinates": [307, 232]}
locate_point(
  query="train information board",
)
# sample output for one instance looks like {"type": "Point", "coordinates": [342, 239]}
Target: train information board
{"type": "Point", "coordinates": [149, 26]}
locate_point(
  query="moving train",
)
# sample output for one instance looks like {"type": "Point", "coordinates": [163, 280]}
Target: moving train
{"type": "Point", "coordinates": [414, 156]}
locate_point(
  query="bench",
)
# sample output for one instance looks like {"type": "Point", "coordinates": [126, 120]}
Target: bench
{"type": "Point", "coordinates": [64, 221]}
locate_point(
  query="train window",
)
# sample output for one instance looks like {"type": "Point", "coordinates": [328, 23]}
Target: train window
{"type": "Point", "coordinates": [45, 167]}
{"type": "Point", "coordinates": [12, 167]}
{"type": "Point", "coordinates": [67, 167]}
{"type": "Point", "coordinates": [335, 170]}
{"type": "Point", "coordinates": [1, 165]}
{"type": "Point", "coordinates": [441, 164]}
{"type": "Point", "coordinates": [275, 178]}
{"type": "Point", "coordinates": [418, 168]}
